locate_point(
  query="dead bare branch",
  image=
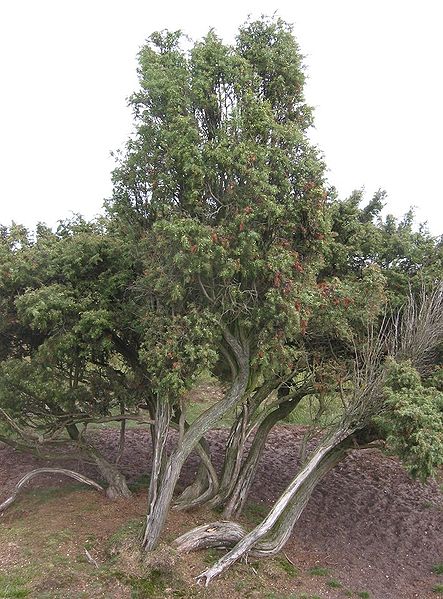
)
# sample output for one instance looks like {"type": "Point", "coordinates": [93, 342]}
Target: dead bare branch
{"type": "Point", "coordinates": [59, 471]}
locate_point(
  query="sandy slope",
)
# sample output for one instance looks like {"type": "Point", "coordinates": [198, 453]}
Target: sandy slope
{"type": "Point", "coordinates": [378, 529]}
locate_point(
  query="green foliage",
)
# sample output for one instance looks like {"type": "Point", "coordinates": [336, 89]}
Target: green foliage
{"type": "Point", "coordinates": [224, 183]}
{"type": "Point", "coordinates": [66, 325]}
{"type": "Point", "coordinates": [221, 226]}
{"type": "Point", "coordinates": [407, 255]}
{"type": "Point", "coordinates": [175, 349]}
{"type": "Point", "coordinates": [435, 379]}
{"type": "Point", "coordinates": [226, 197]}
{"type": "Point", "coordinates": [413, 420]}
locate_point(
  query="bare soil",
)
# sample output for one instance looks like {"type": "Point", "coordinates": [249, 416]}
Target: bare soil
{"type": "Point", "coordinates": [368, 526]}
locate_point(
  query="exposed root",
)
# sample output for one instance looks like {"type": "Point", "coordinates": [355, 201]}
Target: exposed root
{"type": "Point", "coordinates": [270, 536]}
{"type": "Point", "coordinates": [222, 535]}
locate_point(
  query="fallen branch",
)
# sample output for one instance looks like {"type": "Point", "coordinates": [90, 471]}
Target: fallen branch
{"type": "Point", "coordinates": [90, 559]}
{"type": "Point", "coordinates": [23, 481]}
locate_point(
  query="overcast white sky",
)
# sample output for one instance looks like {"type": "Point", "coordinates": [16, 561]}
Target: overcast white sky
{"type": "Point", "coordinates": [67, 67]}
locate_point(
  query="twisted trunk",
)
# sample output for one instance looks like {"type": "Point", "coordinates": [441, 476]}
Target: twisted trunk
{"type": "Point", "coordinates": [159, 505]}
{"type": "Point", "coordinates": [195, 490]}
{"type": "Point", "coordinates": [159, 437]}
{"type": "Point", "coordinates": [233, 457]}
{"type": "Point", "coordinates": [165, 484]}
{"type": "Point", "coordinates": [226, 534]}
{"type": "Point", "coordinates": [206, 482]}
{"type": "Point", "coordinates": [117, 487]}
{"type": "Point", "coordinates": [235, 445]}
{"type": "Point", "coordinates": [245, 478]}
{"type": "Point", "coordinates": [272, 533]}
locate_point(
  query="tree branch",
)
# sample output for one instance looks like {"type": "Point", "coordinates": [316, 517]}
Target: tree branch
{"type": "Point", "coordinates": [59, 471]}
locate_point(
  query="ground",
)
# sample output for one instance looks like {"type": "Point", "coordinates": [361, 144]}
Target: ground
{"type": "Point", "coordinates": [368, 531]}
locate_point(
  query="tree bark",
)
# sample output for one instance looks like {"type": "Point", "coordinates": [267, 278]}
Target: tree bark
{"type": "Point", "coordinates": [206, 482]}
{"type": "Point", "coordinates": [240, 491]}
{"type": "Point", "coordinates": [159, 507]}
{"type": "Point", "coordinates": [117, 487]}
{"type": "Point", "coordinates": [287, 508]}
{"type": "Point", "coordinates": [226, 534]}
{"type": "Point", "coordinates": [233, 457]}
{"type": "Point", "coordinates": [59, 471]}
{"type": "Point", "coordinates": [235, 445]}
{"type": "Point", "coordinates": [160, 434]}
{"type": "Point", "coordinates": [214, 535]}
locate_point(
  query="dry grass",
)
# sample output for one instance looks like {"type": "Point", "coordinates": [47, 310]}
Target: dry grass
{"type": "Point", "coordinates": [50, 561]}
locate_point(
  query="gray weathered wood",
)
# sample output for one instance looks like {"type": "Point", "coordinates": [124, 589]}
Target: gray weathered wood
{"type": "Point", "coordinates": [59, 471]}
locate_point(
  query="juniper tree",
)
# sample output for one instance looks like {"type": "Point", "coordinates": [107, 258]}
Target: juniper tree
{"type": "Point", "coordinates": [224, 250]}
{"type": "Point", "coordinates": [395, 395]}
{"type": "Point", "coordinates": [67, 350]}
{"type": "Point", "coordinates": [226, 195]}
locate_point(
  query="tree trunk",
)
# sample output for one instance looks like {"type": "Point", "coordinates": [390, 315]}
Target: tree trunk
{"type": "Point", "coordinates": [196, 489]}
{"type": "Point", "coordinates": [278, 523]}
{"type": "Point", "coordinates": [214, 535]}
{"type": "Point", "coordinates": [227, 534]}
{"type": "Point", "coordinates": [167, 480]}
{"type": "Point", "coordinates": [159, 505]}
{"type": "Point", "coordinates": [235, 445]}
{"type": "Point", "coordinates": [117, 487]}
{"type": "Point", "coordinates": [205, 484]}
{"type": "Point", "coordinates": [154, 522]}
{"type": "Point", "coordinates": [241, 488]}
{"type": "Point", "coordinates": [275, 541]}
{"type": "Point", "coordinates": [233, 457]}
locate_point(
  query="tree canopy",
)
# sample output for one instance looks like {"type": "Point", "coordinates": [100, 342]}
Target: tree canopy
{"type": "Point", "coordinates": [224, 250]}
